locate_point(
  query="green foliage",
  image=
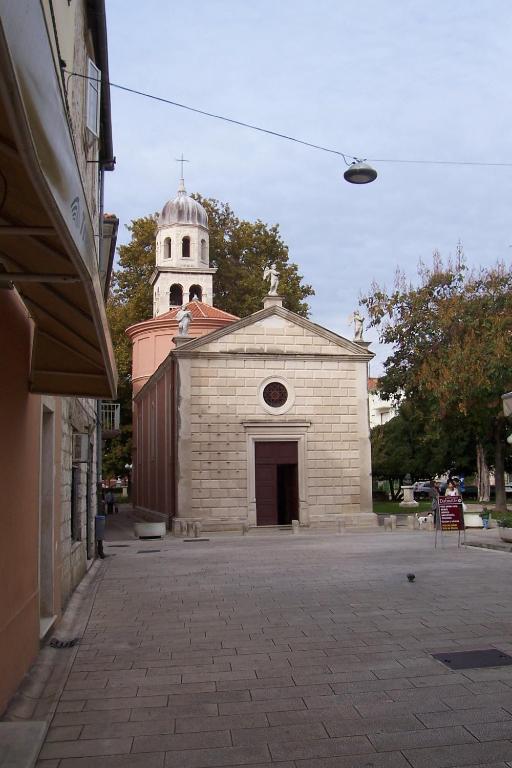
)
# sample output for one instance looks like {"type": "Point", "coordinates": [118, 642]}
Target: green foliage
{"type": "Point", "coordinates": [415, 444]}
{"type": "Point", "coordinates": [451, 349]}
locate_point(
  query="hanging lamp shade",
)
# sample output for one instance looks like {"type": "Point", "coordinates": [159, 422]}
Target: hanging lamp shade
{"type": "Point", "coordinates": [360, 173]}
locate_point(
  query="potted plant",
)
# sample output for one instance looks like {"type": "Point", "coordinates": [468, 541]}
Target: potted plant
{"type": "Point", "coordinates": [505, 529]}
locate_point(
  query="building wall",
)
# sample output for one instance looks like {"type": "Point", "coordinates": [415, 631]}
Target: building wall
{"type": "Point", "coordinates": [77, 551]}
{"type": "Point", "coordinates": [19, 522]}
{"type": "Point", "coordinates": [76, 46]}
{"type": "Point", "coordinates": [220, 413]}
{"type": "Point", "coordinates": [40, 564]}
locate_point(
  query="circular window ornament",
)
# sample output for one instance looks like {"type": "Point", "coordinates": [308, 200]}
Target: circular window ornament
{"type": "Point", "coordinates": [275, 394]}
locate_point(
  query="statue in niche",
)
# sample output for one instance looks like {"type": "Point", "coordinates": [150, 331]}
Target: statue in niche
{"type": "Point", "coordinates": [184, 317]}
{"type": "Point", "coordinates": [274, 279]}
{"type": "Point", "coordinates": [358, 321]}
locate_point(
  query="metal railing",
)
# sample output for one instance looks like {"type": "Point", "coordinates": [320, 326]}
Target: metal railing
{"type": "Point", "coordinates": [110, 416]}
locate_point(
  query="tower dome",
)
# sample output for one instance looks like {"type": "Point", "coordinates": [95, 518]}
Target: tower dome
{"type": "Point", "coordinates": [183, 209]}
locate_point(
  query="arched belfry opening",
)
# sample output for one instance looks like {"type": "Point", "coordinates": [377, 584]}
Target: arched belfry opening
{"type": "Point", "coordinates": [195, 292]}
{"type": "Point", "coordinates": [185, 247]}
{"type": "Point", "coordinates": [175, 295]}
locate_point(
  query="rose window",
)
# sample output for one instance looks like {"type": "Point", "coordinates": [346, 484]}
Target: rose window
{"type": "Point", "coordinates": [275, 394]}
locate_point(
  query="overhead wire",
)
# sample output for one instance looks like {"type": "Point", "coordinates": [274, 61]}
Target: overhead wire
{"type": "Point", "coordinates": [270, 132]}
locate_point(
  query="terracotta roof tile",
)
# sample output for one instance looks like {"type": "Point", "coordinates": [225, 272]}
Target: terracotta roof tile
{"type": "Point", "coordinates": [199, 310]}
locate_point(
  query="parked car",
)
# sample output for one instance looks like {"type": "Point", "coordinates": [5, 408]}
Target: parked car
{"type": "Point", "coordinates": [422, 489]}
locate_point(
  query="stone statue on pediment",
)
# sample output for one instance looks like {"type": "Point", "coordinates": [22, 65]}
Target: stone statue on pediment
{"type": "Point", "coordinates": [358, 320]}
{"type": "Point", "coordinates": [274, 279]}
{"type": "Point", "coordinates": [184, 318]}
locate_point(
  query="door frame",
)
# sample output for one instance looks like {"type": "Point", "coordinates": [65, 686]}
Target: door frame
{"type": "Point", "coordinates": [278, 432]}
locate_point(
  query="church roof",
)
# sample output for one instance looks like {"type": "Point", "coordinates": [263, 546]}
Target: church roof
{"type": "Point", "coordinates": [199, 311]}
{"type": "Point", "coordinates": [182, 209]}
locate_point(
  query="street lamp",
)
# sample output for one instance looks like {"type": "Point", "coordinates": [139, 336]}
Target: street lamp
{"type": "Point", "coordinates": [360, 172]}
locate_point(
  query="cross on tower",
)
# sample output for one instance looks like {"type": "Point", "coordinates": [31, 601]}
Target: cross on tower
{"type": "Point", "coordinates": [181, 160]}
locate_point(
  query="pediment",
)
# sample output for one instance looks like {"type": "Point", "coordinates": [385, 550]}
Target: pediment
{"type": "Point", "coordinates": [276, 330]}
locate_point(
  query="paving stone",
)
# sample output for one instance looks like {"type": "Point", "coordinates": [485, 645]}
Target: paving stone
{"type": "Point", "coordinates": [182, 741]}
{"type": "Point", "coordinates": [99, 692]}
{"type": "Point", "coordinates": [131, 728]}
{"type": "Point", "coordinates": [64, 733]}
{"type": "Point", "coordinates": [134, 702]}
{"type": "Point", "coordinates": [144, 760]}
{"type": "Point", "coordinates": [302, 749]}
{"type": "Point", "coordinates": [265, 705]}
{"type": "Point", "coordinates": [208, 758]}
{"type": "Point", "coordinates": [313, 715]}
{"type": "Point", "coordinates": [428, 737]}
{"type": "Point", "coordinates": [85, 748]}
{"type": "Point", "coordinates": [174, 710]}
{"type": "Point", "coordinates": [176, 689]}
{"type": "Point", "coordinates": [374, 759]}
{"type": "Point", "coordinates": [238, 685]}
{"type": "Point", "coordinates": [463, 717]}
{"type": "Point", "coordinates": [220, 723]}
{"type": "Point", "coordinates": [489, 731]}
{"type": "Point", "coordinates": [83, 718]}
{"type": "Point", "coordinates": [245, 736]}
{"type": "Point", "coordinates": [465, 754]}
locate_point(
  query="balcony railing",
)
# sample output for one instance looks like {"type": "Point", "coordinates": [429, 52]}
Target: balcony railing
{"type": "Point", "coordinates": [110, 419]}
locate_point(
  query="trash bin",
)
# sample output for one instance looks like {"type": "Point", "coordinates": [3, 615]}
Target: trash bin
{"type": "Point", "coordinates": [99, 527]}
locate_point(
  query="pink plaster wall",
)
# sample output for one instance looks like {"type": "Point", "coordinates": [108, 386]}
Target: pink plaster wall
{"type": "Point", "coordinates": [20, 415]}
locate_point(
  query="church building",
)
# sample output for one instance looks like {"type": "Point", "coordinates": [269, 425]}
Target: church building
{"type": "Point", "coordinates": [239, 423]}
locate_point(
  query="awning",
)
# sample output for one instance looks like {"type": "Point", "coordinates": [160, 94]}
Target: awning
{"type": "Point", "coordinates": [47, 241]}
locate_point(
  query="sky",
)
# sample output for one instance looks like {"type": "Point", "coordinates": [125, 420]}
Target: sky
{"type": "Point", "coordinates": [395, 80]}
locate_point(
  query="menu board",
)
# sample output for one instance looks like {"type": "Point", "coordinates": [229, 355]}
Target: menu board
{"type": "Point", "coordinates": [450, 513]}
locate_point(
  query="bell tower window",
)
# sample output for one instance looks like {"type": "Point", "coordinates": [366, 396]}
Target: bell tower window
{"type": "Point", "coordinates": [167, 248]}
{"type": "Point", "coordinates": [204, 255]}
{"type": "Point", "coordinates": [175, 295]}
{"type": "Point", "coordinates": [185, 247]}
{"type": "Point", "coordinates": [195, 292]}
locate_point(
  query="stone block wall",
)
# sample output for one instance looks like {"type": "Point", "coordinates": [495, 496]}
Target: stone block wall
{"type": "Point", "coordinates": [220, 395]}
{"type": "Point", "coordinates": [78, 415]}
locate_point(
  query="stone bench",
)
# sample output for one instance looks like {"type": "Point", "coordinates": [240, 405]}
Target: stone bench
{"type": "Point", "coordinates": [149, 530]}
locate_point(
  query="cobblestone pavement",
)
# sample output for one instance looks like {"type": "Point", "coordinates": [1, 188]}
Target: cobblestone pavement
{"type": "Point", "coordinates": [308, 651]}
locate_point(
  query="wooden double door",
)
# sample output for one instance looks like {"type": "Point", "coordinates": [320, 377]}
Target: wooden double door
{"type": "Point", "coordinates": [277, 482]}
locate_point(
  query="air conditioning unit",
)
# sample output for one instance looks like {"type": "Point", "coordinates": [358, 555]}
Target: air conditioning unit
{"type": "Point", "coordinates": [80, 447]}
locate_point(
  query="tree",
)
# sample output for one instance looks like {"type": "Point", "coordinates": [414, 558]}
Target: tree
{"type": "Point", "coordinates": [412, 443]}
{"type": "Point", "coordinates": [451, 337]}
{"type": "Point", "coordinates": [239, 249]}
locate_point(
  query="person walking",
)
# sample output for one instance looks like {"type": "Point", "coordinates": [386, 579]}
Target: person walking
{"type": "Point", "coordinates": [109, 501]}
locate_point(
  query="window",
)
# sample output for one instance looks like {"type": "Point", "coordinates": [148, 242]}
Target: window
{"type": "Point", "coordinates": [195, 292]}
{"type": "Point", "coordinates": [175, 295]}
{"type": "Point", "coordinates": [204, 253]}
{"type": "Point", "coordinates": [275, 394]}
{"type": "Point", "coordinates": [185, 247]}
{"type": "Point", "coordinates": [93, 98]}
{"type": "Point", "coordinates": [167, 248]}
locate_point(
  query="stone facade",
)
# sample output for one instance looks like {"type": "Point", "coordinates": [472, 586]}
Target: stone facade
{"type": "Point", "coordinates": [77, 547]}
{"type": "Point", "coordinates": [219, 414]}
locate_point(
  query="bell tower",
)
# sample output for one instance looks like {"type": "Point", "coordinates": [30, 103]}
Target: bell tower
{"type": "Point", "coordinates": [182, 271]}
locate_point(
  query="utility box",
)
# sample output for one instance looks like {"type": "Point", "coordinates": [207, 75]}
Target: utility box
{"type": "Point", "coordinates": [99, 527]}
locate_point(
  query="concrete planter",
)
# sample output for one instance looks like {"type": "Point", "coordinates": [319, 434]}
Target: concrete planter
{"type": "Point", "coordinates": [505, 534]}
{"type": "Point", "coordinates": [472, 520]}
{"type": "Point", "coordinates": [149, 530]}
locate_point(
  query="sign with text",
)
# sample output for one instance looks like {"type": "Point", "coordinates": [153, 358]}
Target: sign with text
{"type": "Point", "coordinates": [450, 513]}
